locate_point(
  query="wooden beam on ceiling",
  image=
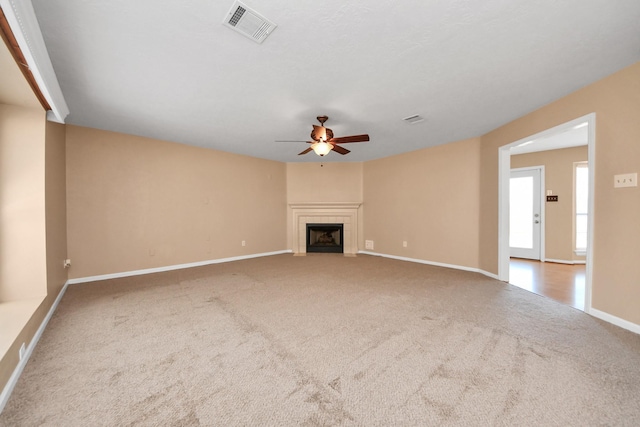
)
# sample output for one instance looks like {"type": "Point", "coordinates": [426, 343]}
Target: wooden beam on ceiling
{"type": "Point", "coordinates": [16, 52]}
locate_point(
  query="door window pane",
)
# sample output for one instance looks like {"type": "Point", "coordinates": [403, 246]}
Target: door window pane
{"type": "Point", "coordinates": [521, 212]}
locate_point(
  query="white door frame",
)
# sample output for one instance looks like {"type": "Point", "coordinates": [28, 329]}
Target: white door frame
{"type": "Point", "coordinates": [504, 173]}
{"type": "Point", "coordinates": [543, 223]}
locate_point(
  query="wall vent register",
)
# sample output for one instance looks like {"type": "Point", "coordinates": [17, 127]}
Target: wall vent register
{"type": "Point", "coordinates": [416, 118]}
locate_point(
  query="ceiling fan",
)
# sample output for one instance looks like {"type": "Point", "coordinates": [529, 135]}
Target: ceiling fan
{"type": "Point", "coordinates": [324, 142]}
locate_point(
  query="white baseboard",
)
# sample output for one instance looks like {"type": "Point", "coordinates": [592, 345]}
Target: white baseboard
{"type": "Point", "coordinates": [171, 267]}
{"type": "Point", "coordinates": [564, 261]}
{"type": "Point", "coordinates": [8, 388]}
{"type": "Point", "coordinates": [437, 264]}
{"type": "Point", "coordinates": [625, 324]}
{"type": "Point", "coordinates": [489, 274]}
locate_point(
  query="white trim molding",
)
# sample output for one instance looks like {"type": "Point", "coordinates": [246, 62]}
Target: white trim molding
{"type": "Point", "coordinates": [24, 25]}
{"type": "Point", "coordinates": [170, 267]}
{"type": "Point", "coordinates": [13, 380]}
{"type": "Point", "coordinates": [610, 318]}
{"type": "Point", "coordinates": [434, 263]}
{"type": "Point", "coordinates": [504, 169]}
{"type": "Point", "coordinates": [8, 389]}
{"type": "Point", "coordinates": [565, 261]}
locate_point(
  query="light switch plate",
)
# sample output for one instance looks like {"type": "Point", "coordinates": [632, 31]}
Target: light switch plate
{"type": "Point", "coordinates": [625, 180]}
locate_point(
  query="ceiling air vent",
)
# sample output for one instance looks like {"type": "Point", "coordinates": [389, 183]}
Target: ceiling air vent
{"type": "Point", "coordinates": [416, 118]}
{"type": "Point", "coordinates": [248, 22]}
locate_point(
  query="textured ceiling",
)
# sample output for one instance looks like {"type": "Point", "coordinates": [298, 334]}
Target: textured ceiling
{"type": "Point", "coordinates": [171, 70]}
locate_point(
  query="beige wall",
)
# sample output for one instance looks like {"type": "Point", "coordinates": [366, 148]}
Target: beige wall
{"type": "Point", "coordinates": [616, 240]}
{"type": "Point", "coordinates": [428, 198]}
{"type": "Point", "coordinates": [323, 182]}
{"type": "Point", "coordinates": [559, 223]}
{"type": "Point", "coordinates": [135, 203]}
{"type": "Point", "coordinates": [22, 203]}
{"type": "Point", "coordinates": [56, 207]}
{"type": "Point", "coordinates": [40, 171]}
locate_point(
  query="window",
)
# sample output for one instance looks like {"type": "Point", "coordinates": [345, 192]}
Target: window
{"type": "Point", "coordinates": [581, 205]}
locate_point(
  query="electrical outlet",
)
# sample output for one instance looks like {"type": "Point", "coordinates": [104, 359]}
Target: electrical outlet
{"type": "Point", "coordinates": [404, 243]}
{"type": "Point", "coordinates": [66, 263]}
{"type": "Point", "coordinates": [368, 244]}
{"type": "Point", "coordinates": [22, 351]}
{"type": "Point", "coordinates": [625, 180]}
{"type": "Point", "coordinates": [244, 243]}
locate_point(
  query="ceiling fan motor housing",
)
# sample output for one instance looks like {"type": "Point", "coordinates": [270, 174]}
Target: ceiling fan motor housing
{"type": "Point", "coordinates": [321, 132]}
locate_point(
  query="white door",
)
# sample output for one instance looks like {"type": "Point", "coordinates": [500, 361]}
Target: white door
{"type": "Point", "coordinates": [525, 221]}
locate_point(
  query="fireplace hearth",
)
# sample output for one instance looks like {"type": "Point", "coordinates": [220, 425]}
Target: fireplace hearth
{"type": "Point", "coordinates": [325, 238]}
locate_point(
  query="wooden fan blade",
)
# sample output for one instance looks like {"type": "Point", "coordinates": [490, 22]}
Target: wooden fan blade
{"type": "Point", "coordinates": [290, 140]}
{"type": "Point", "coordinates": [353, 138]}
{"type": "Point", "coordinates": [340, 150]}
{"type": "Point", "coordinates": [305, 151]}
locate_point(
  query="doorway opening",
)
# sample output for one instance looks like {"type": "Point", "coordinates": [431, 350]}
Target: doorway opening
{"type": "Point", "coordinates": [562, 136]}
{"type": "Point", "coordinates": [564, 283]}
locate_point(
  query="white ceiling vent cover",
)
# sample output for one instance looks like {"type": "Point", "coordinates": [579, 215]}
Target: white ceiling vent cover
{"type": "Point", "coordinates": [248, 22]}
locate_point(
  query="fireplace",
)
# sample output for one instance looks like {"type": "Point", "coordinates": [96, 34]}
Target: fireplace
{"type": "Point", "coordinates": [325, 238]}
{"type": "Point", "coordinates": [326, 213]}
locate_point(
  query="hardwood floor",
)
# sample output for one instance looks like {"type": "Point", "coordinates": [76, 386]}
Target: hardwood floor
{"type": "Point", "coordinates": [561, 282]}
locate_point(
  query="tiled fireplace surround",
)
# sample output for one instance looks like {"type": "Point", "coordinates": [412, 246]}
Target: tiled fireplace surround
{"type": "Point", "coordinates": [324, 213]}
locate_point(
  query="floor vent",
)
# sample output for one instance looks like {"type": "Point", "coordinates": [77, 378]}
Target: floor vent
{"type": "Point", "coordinates": [248, 22]}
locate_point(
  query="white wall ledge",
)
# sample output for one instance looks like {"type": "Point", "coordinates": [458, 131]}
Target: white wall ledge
{"type": "Point", "coordinates": [325, 205]}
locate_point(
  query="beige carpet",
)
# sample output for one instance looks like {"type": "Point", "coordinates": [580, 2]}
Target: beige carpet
{"type": "Point", "coordinates": [324, 340]}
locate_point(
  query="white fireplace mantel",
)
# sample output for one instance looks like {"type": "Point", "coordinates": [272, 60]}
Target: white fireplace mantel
{"type": "Point", "coordinates": [325, 205]}
{"type": "Point", "coordinates": [345, 213]}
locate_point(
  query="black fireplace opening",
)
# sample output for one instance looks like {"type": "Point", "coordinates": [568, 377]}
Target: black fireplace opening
{"type": "Point", "coordinates": [324, 238]}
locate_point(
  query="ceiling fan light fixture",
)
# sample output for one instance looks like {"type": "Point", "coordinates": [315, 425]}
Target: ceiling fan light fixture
{"type": "Point", "coordinates": [321, 148]}
{"type": "Point", "coordinates": [323, 140]}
